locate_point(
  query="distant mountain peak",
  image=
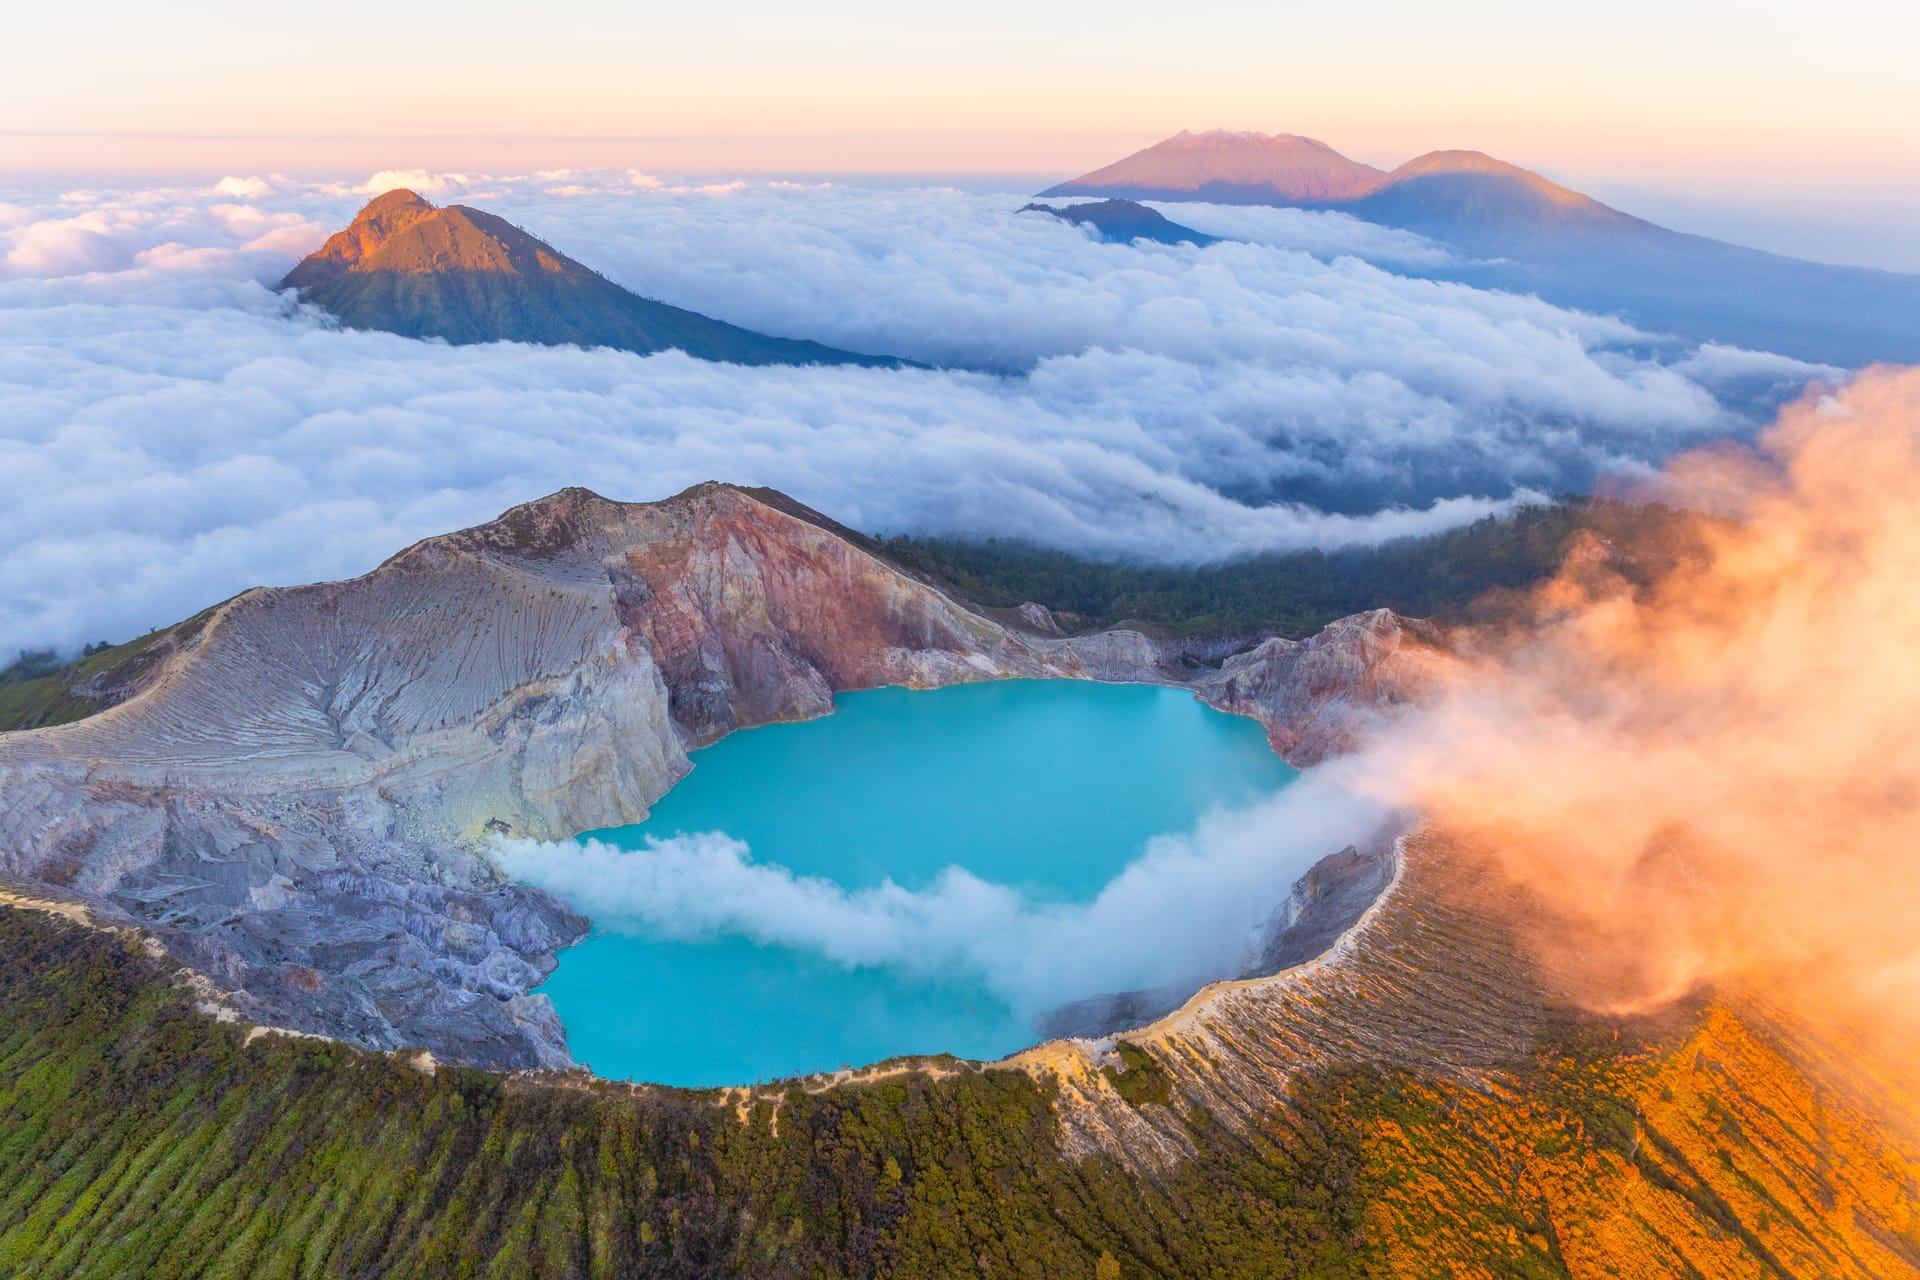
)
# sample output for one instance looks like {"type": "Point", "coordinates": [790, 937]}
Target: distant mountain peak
{"type": "Point", "coordinates": [1467, 196]}
{"type": "Point", "coordinates": [1471, 199]}
{"type": "Point", "coordinates": [1479, 163]}
{"type": "Point", "coordinates": [1240, 168]}
{"type": "Point", "coordinates": [379, 221]}
{"type": "Point", "coordinates": [405, 266]}
{"type": "Point", "coordinates": [1525, 233]}
{"type": "Point", "coordinates": [1124, 221]}
{"type": "Point", "coordinates": [1234, 133]}
{"type": "Point", "coordinates": [387, 202]}
{"type": "Point", "coordinates": [1281, 140]}
{"type": "Point", "coordinates": [1459, 160]}
{"type": "Point", "coordinates": [404, 233]}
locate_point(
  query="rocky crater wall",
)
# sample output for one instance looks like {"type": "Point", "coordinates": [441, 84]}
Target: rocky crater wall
{"type": "Point", "coordinates": [297, 802]}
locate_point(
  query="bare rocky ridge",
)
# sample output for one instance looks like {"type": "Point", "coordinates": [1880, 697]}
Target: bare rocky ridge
{"type": "Point", "coordinates": [1433, 975]}
{"type": "Point", "coordinates": [1326, 902]}
{"type": "Point", "coordinates": [297, 801]}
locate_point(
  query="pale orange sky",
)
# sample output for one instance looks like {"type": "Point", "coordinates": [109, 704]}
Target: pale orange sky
{"type": "Point", "coordinates": [1711, 102]}
{"type": "Point", "coordinates": [1712, 88]}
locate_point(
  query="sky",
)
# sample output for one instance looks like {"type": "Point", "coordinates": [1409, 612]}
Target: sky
{"type": "Point", "coordinates": [1753, 118]}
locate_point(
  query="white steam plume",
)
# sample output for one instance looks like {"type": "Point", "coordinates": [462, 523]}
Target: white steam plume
{"type": "Point", "coordinates": [1183, 910]}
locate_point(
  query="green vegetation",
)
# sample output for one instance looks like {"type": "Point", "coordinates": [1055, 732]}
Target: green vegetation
{"type": "Point", "coordinates": [1444, 576]}
{"type": "Point", "coordinates": [1455, 576]}
{"type": "Point", "coordinates": [1138, 1079]}
{"type": "Point", "coordinates": [39, 689]}
{"type": "Point", "coordinates": [142, 1139]}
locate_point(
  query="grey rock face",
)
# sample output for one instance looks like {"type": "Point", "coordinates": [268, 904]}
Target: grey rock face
{"type": "Point", "coordinates": [297, 802]}
{"type": "Point", "coordinates": [1325, 902]}
{"type": "Point", "coordinates": [1317, 696]}
{"type": "Point", "coordinates": [1110, 1014]}
{"type": "Point", "coordinates": [1040, 618]}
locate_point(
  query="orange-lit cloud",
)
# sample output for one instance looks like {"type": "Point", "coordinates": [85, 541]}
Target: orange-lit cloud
{"type": "Point", "coordinates": [1715, 778]}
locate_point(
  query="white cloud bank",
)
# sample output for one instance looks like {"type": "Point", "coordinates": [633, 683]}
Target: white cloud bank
{"type": "Point", "coordinates": [171, 431]}
{"type": "Point", "coordinates": [1184, 909]}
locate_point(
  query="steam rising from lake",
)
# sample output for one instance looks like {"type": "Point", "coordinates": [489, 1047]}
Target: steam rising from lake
{"type": "Point", "coordinates": [1183, 910]}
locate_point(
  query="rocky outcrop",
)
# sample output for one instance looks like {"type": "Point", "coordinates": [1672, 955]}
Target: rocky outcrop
{"type": "Point", "coordinates": [1433, 975]}
{"type": "Point", "coordinates": [297, 800]}
{"type": "Point", "coordinates": [1323, 905]}
{"type": "Point", "coordinates": [378, 222]}
{"type": "Point", "coordinates": [1317, 696]}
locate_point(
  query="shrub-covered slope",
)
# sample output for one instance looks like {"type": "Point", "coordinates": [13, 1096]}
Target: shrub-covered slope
{"type": "Point", "coordinates": [1443, 576]}
{"type": "Point", "coordinates": [143, 1138]}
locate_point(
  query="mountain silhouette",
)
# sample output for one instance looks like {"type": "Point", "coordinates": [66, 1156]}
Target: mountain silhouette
{"type": "Point", "coordinates": [1519, 231]}
{"type": "Point", "coordinates": [1228, 168]}
{"type": "Point", "coordinates": [459, 273]}
{"type": "Point", "coordinates": [1124, 221]}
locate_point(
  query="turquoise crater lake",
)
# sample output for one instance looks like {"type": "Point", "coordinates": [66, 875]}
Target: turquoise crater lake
{"type": "Point", "coordinates": [1043, 789]}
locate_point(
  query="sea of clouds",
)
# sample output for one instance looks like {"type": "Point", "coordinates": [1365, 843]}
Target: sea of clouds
{"type": "Point", "coordinates": [173, 431]}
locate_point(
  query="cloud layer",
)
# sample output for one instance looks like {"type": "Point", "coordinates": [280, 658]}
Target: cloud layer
{"type": "Point", "coordinates": [175, 432]}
